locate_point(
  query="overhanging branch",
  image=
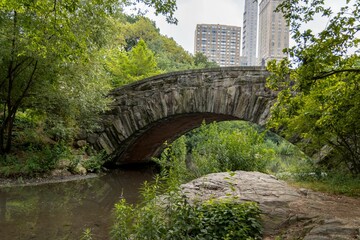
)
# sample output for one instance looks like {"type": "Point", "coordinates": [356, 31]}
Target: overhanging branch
{"type": "Point", "coordinates": [328, 74]}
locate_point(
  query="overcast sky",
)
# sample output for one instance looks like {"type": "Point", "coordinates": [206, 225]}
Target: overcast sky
{"type": "Point", "coordinates": [228, 12]}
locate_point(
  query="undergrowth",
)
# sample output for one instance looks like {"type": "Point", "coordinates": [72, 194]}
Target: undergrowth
{"type": "Point", "coordinates": [330, 182]}
{"type": "Point", "coordinates": [165, 213]}
{"type": "Point", "coordinates": [33, 161]}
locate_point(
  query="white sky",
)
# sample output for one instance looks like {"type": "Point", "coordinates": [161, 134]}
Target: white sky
{"type": "Point", "coordinates": [227, 12]}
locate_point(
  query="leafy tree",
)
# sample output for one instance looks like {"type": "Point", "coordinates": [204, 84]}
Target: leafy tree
{"type": "Point", "coordinates": [51, 48]}
{"type": "Point", "coordinates": [169, 55]}
{"type": "Point", "coordinates": [163, 7]}
{"type": "Point", "coordinates": [143, 60]}
{"type": "Point", "coordinates": [139, 28]}
{"type": "Point", "coordinates": [136, 64]}
{"type": "Point", "coordinates": [201, 61]}
{"type": "Point", "coordinates": [318, 100]}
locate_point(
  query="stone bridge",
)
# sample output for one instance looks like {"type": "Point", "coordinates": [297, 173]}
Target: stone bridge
{"type": "Point", "coordinates": [147, 113]}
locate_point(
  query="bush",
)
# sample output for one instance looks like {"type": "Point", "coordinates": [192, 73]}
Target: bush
{"type": "Point", "coordinates": [165, 213]}
{"type": "Point", "coordinates": [236, 145]}
{"type": "Point", "coordinates": [94, 163]}
{"type": "Point", "coordinates": [213, 219]}
{"type": "Point", "coordinates": [226, 219]}
{"type": "Point", "coordinates": [233, 148]}
{"type": "Point", "coordinates": [32, 162]}
{"type": "Point", "coordinates": [171, 216]}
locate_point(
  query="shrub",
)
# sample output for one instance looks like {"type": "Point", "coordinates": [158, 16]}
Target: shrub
{"type": "Point", "coordinates": [165, 213]}
{"type": "Point", "coordinates": [213, 219]}
{"type": "Point", "coordinates": [33, 162]}
{"type": "Point", "coordinates": [236, 145]}
{"type": "Point", "coordinates": [94, 163]}
{"type": "Point", "coordinates": [171, 216]}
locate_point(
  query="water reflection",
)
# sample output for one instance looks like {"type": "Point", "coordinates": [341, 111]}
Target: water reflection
{"type": "Point", "coordinates": [63, 210]}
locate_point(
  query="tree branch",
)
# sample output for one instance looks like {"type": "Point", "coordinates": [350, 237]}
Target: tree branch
{"type": "Point", "coordinates": [12, 109]}
{"type": "Point", "coordinates": [16, 73]}
{"type": "Point", "coordinates": [327, 74]}
{"type": "Point", "coordinates": [18, 101]}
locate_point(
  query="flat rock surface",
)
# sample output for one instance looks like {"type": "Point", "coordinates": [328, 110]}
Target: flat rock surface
{"type": "Point", "coordinates": [288, 212]}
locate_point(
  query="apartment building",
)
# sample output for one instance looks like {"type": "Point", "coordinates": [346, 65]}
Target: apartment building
{"type": "Point", "coordinates": [273, 32]}
{"type": "Point", "coordinates": [220, 43]}
{"type": "Point", "coordinates": [249, 41]}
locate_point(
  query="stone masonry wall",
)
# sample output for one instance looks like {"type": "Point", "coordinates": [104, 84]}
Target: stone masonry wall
{"type": "Point", "coordinates": [235, 92]}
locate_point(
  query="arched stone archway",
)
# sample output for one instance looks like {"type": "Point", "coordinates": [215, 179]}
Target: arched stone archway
{"type": "Point", "coordinates": [147, 113]}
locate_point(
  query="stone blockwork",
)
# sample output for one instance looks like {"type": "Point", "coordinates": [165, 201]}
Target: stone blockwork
{"type": "Point", "coordinates": [147, 113]}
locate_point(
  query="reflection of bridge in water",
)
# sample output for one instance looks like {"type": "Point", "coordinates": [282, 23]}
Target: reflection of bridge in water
{"type": "Point", "coordinates": [147, 113]}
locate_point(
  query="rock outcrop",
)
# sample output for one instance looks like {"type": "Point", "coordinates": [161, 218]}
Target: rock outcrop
{"type": "Point", "coordinates": [287, 212]}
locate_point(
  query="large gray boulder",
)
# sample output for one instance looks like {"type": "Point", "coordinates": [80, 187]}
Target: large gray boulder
{"type": "Point", "coordinates": [286, 211]}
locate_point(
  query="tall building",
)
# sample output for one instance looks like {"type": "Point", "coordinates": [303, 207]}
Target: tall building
{"type": "Point", "coordinates": [220, 43]}
{"type": "Point", "coordinates": [273, 32]}
{"type": "Point", "coordinates": [250, 32]}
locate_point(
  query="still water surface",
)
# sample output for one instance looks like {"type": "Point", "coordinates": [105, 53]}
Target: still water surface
{"type": "Point", "coordinates": [64, 210]}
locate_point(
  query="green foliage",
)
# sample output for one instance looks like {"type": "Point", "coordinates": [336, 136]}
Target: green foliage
{"type": "Point", "coordinates": [171, 216]}
{"type": "Point", "coordinates": [171, 56]}
{"type": "Point", "coordinates": [231, 146]}
{"type": "Point", "coordinates": [33, 162]}
{"type": "Point", "coordinates": [318, 102]}
{"type": "Point", "coordinates": [41, 43]}
{"type": "Point", "coordinates": [127, 67]}
{"type": "Point", "coordinates": [87, 235]}
{"type": "Point", "coordinates": [236, 145]}
{"type": "Point", "coordinates": [224, 219]}
{"type": "Point", "coordinates": [173, 164]}
{"type": "Point", "coordinates": [168, 54]}
{"type": "Point", "coordinates": [165, 213]}
{"type": "Point", "coordinates": [143, 221]}
{"type": "Point", "coordinates": [94, 163]}
{"type": "Point", "coordinates": [166, 8]}
{"type": "Point", "coordinates": [201, 61]}
{"type": "Point", "coordinates": [333, 182]}
{"type": "Point", "coordinates": [52, 61]}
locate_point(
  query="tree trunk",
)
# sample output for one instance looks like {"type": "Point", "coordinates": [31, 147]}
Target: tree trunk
{"type": "Point", "coordinates": [12, 103]}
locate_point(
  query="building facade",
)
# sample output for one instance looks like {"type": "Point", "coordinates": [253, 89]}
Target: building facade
{"type": "Point", "coordinates": [250, 33]}
{"type": "Point", "coordinates": [273, 32]}
{"type": "Point", "coordinates": [220, 43]}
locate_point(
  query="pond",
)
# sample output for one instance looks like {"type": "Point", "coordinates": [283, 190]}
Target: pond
{"type": "Point", "coordinates": [64, 210]}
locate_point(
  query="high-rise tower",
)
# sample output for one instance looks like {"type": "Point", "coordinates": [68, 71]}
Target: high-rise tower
{"type": "Point", "coordinates": [273, 32]}
{"type": "Point", "coordinates": [220, 43]}
{"type": "Point", "coordinates": [250, 32]}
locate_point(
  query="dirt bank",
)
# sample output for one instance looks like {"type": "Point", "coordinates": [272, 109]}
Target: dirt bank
{"type": "Point", "coordinates": [11, 182]}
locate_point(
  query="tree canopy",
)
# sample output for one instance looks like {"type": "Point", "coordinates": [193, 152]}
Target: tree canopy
{"type": "Point", "coordinates": [136, 64]}
{"type": "Point", "coordinates": [52, 59]}
{"type": "Point", "coordinates": [139, 51]}
{"type": "Point", "coordinates": [319, 99]}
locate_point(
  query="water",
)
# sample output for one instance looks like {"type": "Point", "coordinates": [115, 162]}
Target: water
{"type": "Point", "coordinates": [64, 210]}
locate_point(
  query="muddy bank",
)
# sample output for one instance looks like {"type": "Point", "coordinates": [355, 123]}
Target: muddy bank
{"type": "Point", "coordinates": [18, 182]}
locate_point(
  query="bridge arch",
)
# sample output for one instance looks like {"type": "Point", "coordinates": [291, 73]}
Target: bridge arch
{"type": "Point", "coordinates": [147, 113]}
